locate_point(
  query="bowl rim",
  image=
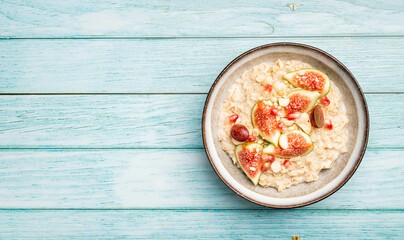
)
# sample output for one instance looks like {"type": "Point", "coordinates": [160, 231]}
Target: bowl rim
{"type": "Point", "coordinates": [361, 97]}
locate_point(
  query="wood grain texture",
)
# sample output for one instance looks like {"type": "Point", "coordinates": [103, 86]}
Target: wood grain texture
{"type": "Point", "coordinates": [166, 179]}
{"type": "Point", "coordinates": [143, 121]}
{"type": "Point", "coordinates": [269, 224]}
{"type": "Point", "coordinates": [171, 66]}
{"type": "Point", "coordinates": [139, 121]}
{"type": "Point", "coordinates": [163, 184]}
{"type": "Point", "coordinates": [89, 18]}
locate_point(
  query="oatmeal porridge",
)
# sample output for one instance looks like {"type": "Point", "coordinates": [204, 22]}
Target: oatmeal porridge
{"type": "Point", "coordinates": [282, 123]}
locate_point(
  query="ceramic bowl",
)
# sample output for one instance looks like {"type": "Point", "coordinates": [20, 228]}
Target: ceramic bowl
{"type": "Point", "coordinates": [329, 180]}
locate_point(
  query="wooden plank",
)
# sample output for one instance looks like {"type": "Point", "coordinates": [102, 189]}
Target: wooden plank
{"type": "Point", "coordinates": [142, 121]}
{"type": "Point", "coordinates": [167, 66]}
{"type": "Point", "coordinates": [269, 224]}
{"type": "Point", "coordinates": [214, 19]}
{"type": "Point", "coordinates": [166, 179]}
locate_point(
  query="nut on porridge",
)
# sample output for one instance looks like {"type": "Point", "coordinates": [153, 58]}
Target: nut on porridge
{"type": "Point", "coordinates": [282, 123]}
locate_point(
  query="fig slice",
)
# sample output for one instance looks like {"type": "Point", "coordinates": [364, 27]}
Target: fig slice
{"type": "Point", "coordinates": [264, 120]}
{"type": "Point", "coordinates": [270, 149]}
{"type": "Point", "coordinates": [291, 144]}
{"type": "Point", "coordinates": [248, 156]}
{"type": "Point", "coordinates": [301, 101]}
{"type": "Point", "coordinates": [309, 79]}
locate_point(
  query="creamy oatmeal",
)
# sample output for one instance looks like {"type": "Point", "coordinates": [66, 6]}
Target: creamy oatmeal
{"type": "Point", "coordinates": [292, 134]}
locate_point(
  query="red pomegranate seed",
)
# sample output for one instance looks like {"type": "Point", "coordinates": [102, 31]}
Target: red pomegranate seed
{"type": "Point", "coordinates": [268, 87]}
{"type": "Point", "coordinates": [271, 158]}
{"type": "Point", "coordinates": [267, 157]}
{"type": "Point", "coordinates": [274, 111]}
{"type": "Point", "coordinates": [233, 118]}
{"type": "Point", "coordinates": [286, 163]}
{"type": "Point", "coordinates": [281, 126]}
{"type": "Point", "coordinates": [251, 138]}
{"type": "Point", "coordinates": [265, 167]}
{"type": "Point", "coordinates": [328, 124]}
{"type": "Point", "coordinates": [325, 101]}
{"type": "Point", "coordinates": [293, 115]}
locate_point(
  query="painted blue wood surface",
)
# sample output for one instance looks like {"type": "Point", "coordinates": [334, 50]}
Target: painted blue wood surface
{"type": "Point", "coordinates": [171, 66]}
{"type": "Point", "coordinates": [100, 112]}
{"type": "Point", "coordinates": [143, 121]}
{"type": "Point", "coordinates": [261, 18]}
{"type": "Point", "coordinates": [166, 179]}
{"type": "Point", "coordinates": [202, 224]}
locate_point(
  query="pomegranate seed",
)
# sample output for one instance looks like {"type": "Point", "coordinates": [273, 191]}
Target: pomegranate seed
{"type": "Point", "coordinates": [328, 124]}
{"type": "Point", "coordinates": [274, 111]}
{"type": "Point", "coordinates": [233, 118]}
{"type": "Point", "coordinates": [267, 158]}
{"type": "Point", "coordinates": [286, 163]}
{"type": "Point", "coordinates": [325, 101]}
{"type": "Point", "coordinates": [251, 138]}
{"type": "Point", "coordinates": [265, 167]}
{"type": "Point", "coordinates": [281, 126]}
{"type": "Point", "coordinates": [293, 115]}
{"type": "Point", "coordinates": [268, 87]}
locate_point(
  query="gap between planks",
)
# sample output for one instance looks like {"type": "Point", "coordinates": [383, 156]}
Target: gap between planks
{"type": "Point", "coordinates": [199, 37]}
{"type": "Point", "coordinates": [149, 148]}
{"type": "Point", "coordinates": [203, 209]}
{"type": "Point", "coordinates": [142, 93]}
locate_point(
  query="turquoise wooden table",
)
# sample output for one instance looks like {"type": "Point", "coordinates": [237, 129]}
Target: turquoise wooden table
{"type": "Point", "coordinates": [100, 117]}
